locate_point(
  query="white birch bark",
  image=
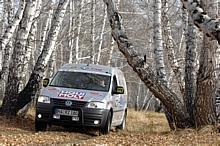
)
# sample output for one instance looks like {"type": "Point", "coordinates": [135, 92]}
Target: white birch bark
{"type": "Point", "coordinates": [30, 45]}
{"type": "Point", "coordinates": [11, 28]}
{"type": "Point", "coordinates": [71, 30]}
{"type": "Point", "coordinates": [15, 68]}
{"type": "Point", "coordinates": [101, 37]}
{"type": "Point", "coordinates": [206, 79]}
{"type": "Point", "coordinates": [210, 26]}
{"type": "Point", "coordinates": [33, 85]}
{"type": "Point", "coordinates": [158, 42]}
{"type": "Point", "coordinates": [92, 40]}
{"type": "Point", "coordinates": [169, 46]}
{"type": "Point", "coordinates": [79, 25]}
{"type": "Point", "coordinates": [1, 18]}
{"type": "Point", "coordinates": [45, 30]}
{"type": "Point", "coordinates": [8, 51]}
{"type": "Point", "coordinates": [112, 45]}
{"type": "Point", "coordinates": [138, 96]}
{"type": "Point", "coordinates": [51, 65]}
{"type": "Point", "coordinates": [173, 104]}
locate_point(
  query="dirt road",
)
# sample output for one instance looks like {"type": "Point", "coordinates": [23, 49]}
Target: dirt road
{"type": "Point", "coordinates": [142, 129]}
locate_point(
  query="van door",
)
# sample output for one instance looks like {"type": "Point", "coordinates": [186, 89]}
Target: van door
{"type": "Point", "coordinates": [117, 104]}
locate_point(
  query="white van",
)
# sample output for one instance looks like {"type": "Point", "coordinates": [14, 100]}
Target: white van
{"type": "Point", "coordinates": [83, 95]}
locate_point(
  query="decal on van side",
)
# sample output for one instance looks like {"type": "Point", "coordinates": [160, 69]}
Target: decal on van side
{"type": "Point", "coordinates": [69, 94]}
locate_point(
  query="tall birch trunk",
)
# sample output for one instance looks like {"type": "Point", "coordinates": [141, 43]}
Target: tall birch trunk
{"type": "Point", "coordinates": [206, 81]}
{"type": "Point", "coordinates": [158, 42]}
{"type": "Point", "coordinates": [112, 44]}
{"type": "Point", "coordinates": [11, 28]}
{"type": "Point", "coordinates": [15, 68]}
{"type": "Point", "coordinates": [45, 29]}
{"type": "Point", "coordinates": [101, 37]}
{"type": "Point", "coordinates": [29, 48]}
{"type": "Point", "coordinates": [169, 46]}
{"type": "Point", "coordinates": [8, 50]}
{"type": "Point", "coordinates": [78, 31]}
{"type": "Point", "coordinates": [159, 57]}
{"type": "Point", "coordinates": [190, 66]}
{"type": "Point", "coordinates": [170, 100]}
{"type": "Point", "coordinates": [92, 40]}
{"type": "Point", "coordinates": [71, 31]}
{"type": "Point", "coordinates": [16, 102]}
{"type": "Point", "coordinates": [51, 65]}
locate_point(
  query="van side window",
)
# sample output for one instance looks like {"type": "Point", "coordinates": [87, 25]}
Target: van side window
{"type": "Point", "coordinates": [114, 85]}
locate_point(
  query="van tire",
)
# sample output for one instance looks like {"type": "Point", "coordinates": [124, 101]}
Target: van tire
{"type": "Point", "coordinates": [123, 124]}
{"type": "Point", "coordinates": [107, 127]}
{"type": "Point", "coordinates": [40, 126]}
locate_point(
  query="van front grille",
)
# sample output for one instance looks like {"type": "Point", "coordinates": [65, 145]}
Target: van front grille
{"type": "Point", "coordinates": [75, 104]}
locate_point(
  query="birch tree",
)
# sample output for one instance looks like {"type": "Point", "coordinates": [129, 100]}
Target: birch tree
{"type": "Point", "coordinates": [71, 29]}
{"type": "Point", "coordinates": [190, 65]}
{"type": "Point", "coordinates": [92, 51]}
{"type": "Point", "coordinates": [8, 50]}
{"type": "Point", "coordinates": [158, 44]}
{"type": "Point", "coordinates": [101, 37]}
{"type": "Point", "coordinates": [206, 79]}
{"type": "Point", "coordinates": [78, 31]}
{"type": "Point", "coordinates": [11, 29]}
{"type": "Point", "coordinates": [45, 29]}
{"type": "Point", "coordinates": [16, 102]}
{"type": "Point", "coordinates": [211, 27]}
{"type": "Point", "coordinates": [170, 100]}
{"type": "Point", "coordinates": [29, 48]}
{"type": "Point", "coordinates": [169, 46]}
{"type": "Point", "coordinates": [15, 68]}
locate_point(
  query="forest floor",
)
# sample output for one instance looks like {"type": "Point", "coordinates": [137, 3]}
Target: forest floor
{"type": "Point", "coordinates": [142, 129]}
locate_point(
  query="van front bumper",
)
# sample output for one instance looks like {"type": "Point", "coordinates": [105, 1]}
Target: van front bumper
{"type": "Point", "coordinates": [87, 117]}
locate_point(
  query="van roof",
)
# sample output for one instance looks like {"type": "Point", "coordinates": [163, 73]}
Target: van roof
{"type": "Point", "coordinates": [91, 68]}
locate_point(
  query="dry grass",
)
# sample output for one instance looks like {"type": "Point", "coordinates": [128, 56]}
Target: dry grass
{"type": "Point", "coordinates": [149, 128]}
{"type": "Point", "coordinates": [143, 128]}
{"type": "Point", "coordinates": [146, 122]}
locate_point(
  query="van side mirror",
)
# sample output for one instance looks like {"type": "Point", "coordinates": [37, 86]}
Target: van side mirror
{"type": "Point", "coordinates": [118, 90]}
{"type": "Point", "coordinates": [45, 82]}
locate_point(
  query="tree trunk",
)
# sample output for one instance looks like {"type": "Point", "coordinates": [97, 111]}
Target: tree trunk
{"type": "Point", "coordinates": [92, 39]}
{"type": "Point", "coordinates": [190, 71]}
{"type": "Point", "coordinates": [18, 101]}
{"type": "Point", "coordinates": [45, 30]}
{"type": "Point", "coordinates": [8, 50]}
{"type": "Point", "coordinates": [11, 28]}
{"type": "Point", "coordinates": [112, 44]}
{"type": "Point", "coordinates": [29, 48]}
{"type": "Point", "coordinates": [78, 31]}
{"type": "Point", "coordinates": [71, 30]}
{"type": "Point", "coordinates": [15, 68]}
{"type": "Point", "coordinates": [169, 46]}
{"type": "Point", "coordinates": [206, 81]}
{"type": "Point", "coordinates": [172, 103]}
{"type": "Point", "coordinates": [158, 46]}
{"type": "Point", "coordinates": [210, 27]}
{"type": "Point", "coordinates": [101, 37]}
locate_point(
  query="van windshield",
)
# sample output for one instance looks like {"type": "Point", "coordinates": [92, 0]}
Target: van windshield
{"type": "Point", "coordinates": [79, 80]}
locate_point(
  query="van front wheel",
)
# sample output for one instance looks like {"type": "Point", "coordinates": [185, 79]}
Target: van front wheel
{"type": "Point", "coordinates": [107, 127]}
{"type": "Point", "coordinates": [123, 124]}
{"type": "Point", "coordinates": [40, 126]}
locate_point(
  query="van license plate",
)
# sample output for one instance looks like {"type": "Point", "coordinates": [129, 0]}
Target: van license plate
{"type": "Point", "coordinates": [67, 112]}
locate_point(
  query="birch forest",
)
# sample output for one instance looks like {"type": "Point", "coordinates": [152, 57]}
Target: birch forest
{"type": "Point", "coordinates": [168, 51]}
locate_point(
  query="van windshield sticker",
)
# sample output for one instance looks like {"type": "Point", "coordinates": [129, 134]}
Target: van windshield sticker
{"type": "Point", "coordinates": [70, 94]}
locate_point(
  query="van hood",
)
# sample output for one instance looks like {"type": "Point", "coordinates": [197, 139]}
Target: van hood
{"type": "Point", "coordinates": [73, 94]}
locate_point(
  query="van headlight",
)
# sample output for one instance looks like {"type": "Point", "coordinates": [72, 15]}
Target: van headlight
{"type": "Point", "coordinates": [95, 104]}
{"type": "Point", "coordinates": [43, 99]}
